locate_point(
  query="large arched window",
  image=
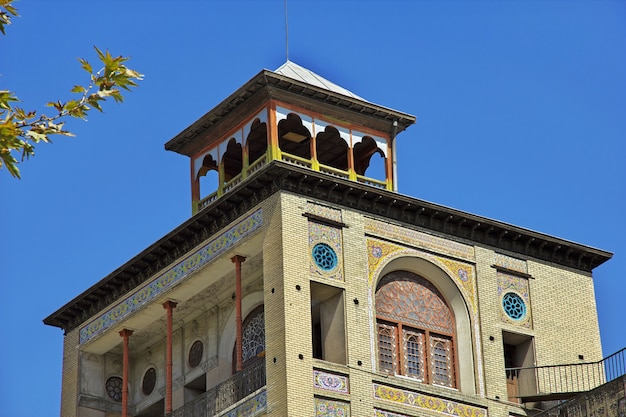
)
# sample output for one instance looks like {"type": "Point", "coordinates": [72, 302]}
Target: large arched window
{"type": "Point", "coordinates": [415, 329]}
{"type": "Point", "coordinates": [252, 338]}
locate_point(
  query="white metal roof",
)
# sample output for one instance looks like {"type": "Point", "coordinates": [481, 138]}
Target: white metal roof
{"type": "Point", "coordinates": [295, 71]}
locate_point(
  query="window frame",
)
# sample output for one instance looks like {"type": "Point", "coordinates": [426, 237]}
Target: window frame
{"type": "Point", "coordinates": [399, 352]}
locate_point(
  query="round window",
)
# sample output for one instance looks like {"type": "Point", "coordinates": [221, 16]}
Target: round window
{"type": "Point", "coordinates": [514, 306]}
{"type": "Point", "coordinates": [195, 354]}
{"type": "Point", "coordinates": [114, 388]}
{"type": "Point", "coordinates": [149, 381]}
{"type": "Point", "coordinates": [324, 256]}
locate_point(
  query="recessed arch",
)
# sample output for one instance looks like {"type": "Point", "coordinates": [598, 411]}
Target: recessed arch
{"type": "Point", "coordinates": [293, 137]}
{"type": "Point", "coordinates": [256, 141]}
{"type": "Point", "coordinates": [229, 333]}
{"type": "Point", "coordinates": [453, 297]}
{"type": "Point", "coordinates": [332, 149]}
{"type": "Point", "coordinates": [232, 159]}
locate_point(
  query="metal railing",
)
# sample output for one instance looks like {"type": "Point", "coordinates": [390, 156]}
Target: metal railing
{"type": "Point", "coordinates": [563, 381]}
{"type": "Point", "coordinates": [228, 393]}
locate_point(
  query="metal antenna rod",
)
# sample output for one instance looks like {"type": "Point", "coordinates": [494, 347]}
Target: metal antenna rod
{"type": "Point", "coordinates": [286, 32]}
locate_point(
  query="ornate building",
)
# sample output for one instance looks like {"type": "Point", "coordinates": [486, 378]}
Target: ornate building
{"type": "Point", "coordinates": [305, 285]}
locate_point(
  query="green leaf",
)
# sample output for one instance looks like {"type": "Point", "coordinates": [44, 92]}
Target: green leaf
{"type": "Point", "coordinates": [78, 89]}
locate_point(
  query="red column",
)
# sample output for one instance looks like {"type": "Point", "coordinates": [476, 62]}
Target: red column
{"type": "Point", "coordinates": [168, 306]}
{"type": "Point", "coordinates": [238, 260]}
{"type": "Point", "coordinates": [125, 335]}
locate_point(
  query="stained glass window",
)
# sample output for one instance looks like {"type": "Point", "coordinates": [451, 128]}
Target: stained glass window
{"type": "Point", "coordinates": [411, 308]}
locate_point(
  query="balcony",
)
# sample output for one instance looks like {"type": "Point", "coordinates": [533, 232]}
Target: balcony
{"type": "Point", "coordinates": [562, 382]}
{"type": "Point", "coordinates": [227, 394]}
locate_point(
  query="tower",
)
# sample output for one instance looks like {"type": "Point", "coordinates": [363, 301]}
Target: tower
{"type": "Point", "coordinates": [305, 285]}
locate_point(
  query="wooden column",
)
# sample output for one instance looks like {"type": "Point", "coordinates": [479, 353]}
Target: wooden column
{"type": "Point", "coordinates": [169, 307]}
{"type": "Point", "coordinates": [238, 260]}
{"type": "Point", "coordinates": [125, 335]}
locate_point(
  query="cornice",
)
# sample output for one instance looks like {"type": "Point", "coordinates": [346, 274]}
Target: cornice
{"type": "Point", "coordinates": [280, 176]}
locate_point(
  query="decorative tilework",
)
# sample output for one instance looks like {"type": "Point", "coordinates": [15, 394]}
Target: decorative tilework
{"type": "Point", "coordinates": [331, 236]}
{"type": "Point", "coordinates": [172, 277]}
{"type": "Point", "coordinates": [464, 276]}
{"type": "Point", "coordinates": [511, 263]}
{"type": "Point", "coordinates": [331, 408]}
{"type": "Point", "coordinates": [425, 402]}
{"type": "Point", "coordinates": [419, 239]}
{"type": "Point", "coordinates": [379, 252]}
{"type": "Point", "coordinates": [323, 211]}
{"type": "Point", "coordinates": [253, 407]}
{"type": "Point", "coordinates": [518, 285]}
{"type": "Point", "coordinates": [330, 382]}
{"type": "Point", "coordinates": [383, 413]}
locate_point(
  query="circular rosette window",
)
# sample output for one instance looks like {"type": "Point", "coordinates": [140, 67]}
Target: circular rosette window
{"type": "Point", "coordinates": [514, 306]}
{"type": "Point", "coordinates": [114, 388]}
{"type": "Point", "coordinates": [324, 257]}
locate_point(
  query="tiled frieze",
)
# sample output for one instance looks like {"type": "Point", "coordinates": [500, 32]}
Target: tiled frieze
{"type": "Point", "coordinates": [172, 276]}
{"type": "Point", "coordinates": [254, 406]}
{"type": "Point", "coordinates": [514, 298]}
{"type": "Point", "coordinates": [511, 263]}
{"type": "Point", "coordinates": [330, 382]}
{"type": "Point", "coordinates": [323, 211]}
{"type": "Point", "coordinates": [331, 408]}
{"type": "Point", "coordinates": [424, 402]}
{"type": "Point", "coordinates": [419, 239]}
{"type": "Point", "coordinates": [325, 249]}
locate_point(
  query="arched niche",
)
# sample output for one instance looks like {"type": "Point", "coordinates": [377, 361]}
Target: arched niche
{"type": "Point", "coordinates": [370, 158]}
{"type": "Point", "coordinates": [293, 137]}
{"type": "Point", "coordinates": [232, 159]}
{"type": "Point", "coordinates": [256, 140]}
{"type": "Point", "coordinates": [453, 297]}
{"type": "Point", "coordinates": [331, 148]}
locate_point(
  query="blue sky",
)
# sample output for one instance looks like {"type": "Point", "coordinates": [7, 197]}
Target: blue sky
{"type": "Point", "coordinates": [521, 117]}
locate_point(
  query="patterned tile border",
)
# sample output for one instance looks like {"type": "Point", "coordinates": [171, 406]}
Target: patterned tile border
{"type": "Point", "coordinates": [511, 283]}
{"type": "Point", "coordinates": [323, 211]}
{"type": "Point", "coordinates": [380, 252]}
{"type": "Point", "coordinates": [172, 277]}
{"type": "Point", "coordinates": [331, 408]}
{"type": "Point", "coordinates": [511, 263]}
{"type": "Point", "coordinates": [330, 382]}
{"type": "Point", "coordinates": [253, 407]}
{"type": "Point", "coordinates": [425, 402]}
{"type": "Point", "coordinates": [419, 239]}
{"type": "Point", "coordinates": [383, 413]}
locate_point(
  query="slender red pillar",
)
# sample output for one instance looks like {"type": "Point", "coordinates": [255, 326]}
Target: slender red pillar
{"type": "Point", "coordinates": [169, 307]}
{"type": "Point", "coordinates": [125, 333]}
{"type": "Point", "coordinates": [238, 260]}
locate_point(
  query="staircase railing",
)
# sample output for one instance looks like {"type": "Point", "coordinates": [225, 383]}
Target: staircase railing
{"type": "Point", "coordinates": [564, 381]}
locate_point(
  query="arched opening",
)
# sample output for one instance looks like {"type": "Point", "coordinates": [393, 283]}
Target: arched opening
{"type": "Point", "coordinates": [415, 329]}
{"type": "Point", "coordinates": [232, 160]}
{"type": "Point", "coordinates": [208, 176]}
{"type": "Point", "coordinates": [257, 140]}
{"type": "Point", "coordinates": [363, 161]}
{"type": "Point", "coordinates": [293, 137]}
{"type": "Point", "coordinates": [331, 149]}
